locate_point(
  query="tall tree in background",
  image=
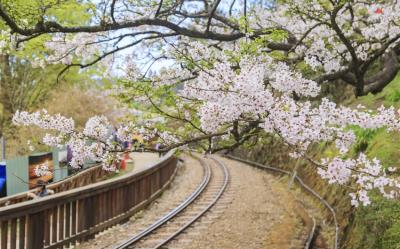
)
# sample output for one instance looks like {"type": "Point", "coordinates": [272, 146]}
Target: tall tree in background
{"type": "Point", "coordinates": [21, 87]}
{"type": "Point", "coordinates": [25, 82]}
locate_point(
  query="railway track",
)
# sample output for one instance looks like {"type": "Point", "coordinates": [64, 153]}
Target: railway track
{"type": "Point", "coordinates": [169, 227]}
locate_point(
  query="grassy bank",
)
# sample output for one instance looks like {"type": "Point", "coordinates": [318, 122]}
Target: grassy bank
{"type": "Point", "coordinates": [378, 225]}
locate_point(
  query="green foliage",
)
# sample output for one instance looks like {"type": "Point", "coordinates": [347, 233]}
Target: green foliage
{"type": "Point", "coordinates": [380, 143]}
{"type": "Point", "coordinates": [364, 137]}
{"type": "Point", "coordinates": [30, 12]}
{"type": "Point", "coordinates": [277, 35]}
{"type": "Point", "coordinates": [377, 226]}
{"type": "Point", "coordinates": [394, 96]}
{"type": "Point", "coordinates": [391, 238]}
{"type": "Point", "coordinates": [386, 147]}
{"type": "Point", "coordinates": [243, 24]}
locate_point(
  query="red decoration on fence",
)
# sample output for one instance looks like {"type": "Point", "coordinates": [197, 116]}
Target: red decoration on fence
{"type": "Point", "coordinates": [123, 165]}
{"type": "Point", "coordinates": [379, 11]}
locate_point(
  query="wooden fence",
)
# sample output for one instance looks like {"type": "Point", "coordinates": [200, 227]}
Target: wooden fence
{"type": "Point", "coordinates": [61, 220]}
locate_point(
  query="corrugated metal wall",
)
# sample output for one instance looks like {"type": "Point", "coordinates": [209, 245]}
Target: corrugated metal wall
{"type": "Point", "coordinates": [17, 173]}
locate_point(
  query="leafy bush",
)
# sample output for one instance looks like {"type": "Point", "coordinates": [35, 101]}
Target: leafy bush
{"type": "Point", "coordinates": [377, 226]}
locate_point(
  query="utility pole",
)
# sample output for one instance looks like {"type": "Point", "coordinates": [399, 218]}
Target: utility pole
{"type": "Point", "coordinates": [3, 149]}
{"type": "Point", "coordinates": [294, 174]}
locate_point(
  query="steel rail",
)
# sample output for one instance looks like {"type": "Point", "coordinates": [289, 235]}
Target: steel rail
{"type": "Point", "coordinates": [163, 220]}
{"type": "Point", "coordinates": [206, 209]}
{"type": "Point", "coordinates": [311, 234]}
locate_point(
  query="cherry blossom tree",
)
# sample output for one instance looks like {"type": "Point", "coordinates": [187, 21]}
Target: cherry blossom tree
{"type": "Point", "coordinates": [237, 100]}
{"type": "Point", "coordinates": [235, 70]}
{"type": "Point", "coordinates": [350, 40]}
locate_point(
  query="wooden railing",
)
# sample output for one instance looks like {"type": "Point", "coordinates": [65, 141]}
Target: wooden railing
{"type": "Point", "coordinates": [76, 215]}
{"type": "Point", "coordinates": [88, 176]}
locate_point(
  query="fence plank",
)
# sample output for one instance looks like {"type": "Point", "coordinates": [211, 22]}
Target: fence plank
{"type": "Point", "coordinates": [21, 237]}
{"type": "Point", "coordinates": [89, 216]}
{"type": "Point", "coordinates": [13, 234]}
{"type": "Point", "coordinates": [67, 220]}
{"type": "Point", "coordinates": [61, 221]}
{"type": "Point", "coordinates": [73, 220]}
{"type": "Point", "coordinates": [54, 218]}
{"type": "Point", "coordinates": [47, 227]}
{"type": "Point", "coordinates": [4, 233]}
{"type": "Point", "coordinates": [36, 231]}
{"type": "Point", "coordinates": [81, 215]}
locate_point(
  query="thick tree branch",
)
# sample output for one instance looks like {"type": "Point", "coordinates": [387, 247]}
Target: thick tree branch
{"type": "Point", "coordinates": [355, 61]}
{"type": "Point", "coordinates": [390, 69]}
{"type": "Point", "coordinates": [54, 27]}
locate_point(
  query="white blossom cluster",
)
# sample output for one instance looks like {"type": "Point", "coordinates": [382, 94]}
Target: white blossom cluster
{"type": "Point", "coordinates": [44, 120]}
{"type": "Point", "coordinates": [96, 142]}
{"type": "Point", "coordinates": [322, 46]}
{"type": "Point", "coordinates": [263, 90]}
{"type": "Point", "coordinates": [124, 132]}
{"type": "Point", "coordinates": [97, 127]}
{"type": "Point", "coordinates": [65, 48]}
{"type": "Point", "coordinates": [283, 77]}
{"type": "Point", "coordinates": [90, 144]}
{"type": "Point", "coordinates": [76, 49]}
{"type": "Point", "coordinates": [168, 138]}
{"type": "Point", "coordinates": [368, 174]}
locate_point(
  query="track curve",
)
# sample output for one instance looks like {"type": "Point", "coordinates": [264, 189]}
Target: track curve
{"type": "Point", "coordinates": [170, 226]}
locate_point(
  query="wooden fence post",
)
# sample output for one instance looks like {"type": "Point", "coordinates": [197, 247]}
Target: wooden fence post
{"type": "Point", "coordinates": [36, 230]}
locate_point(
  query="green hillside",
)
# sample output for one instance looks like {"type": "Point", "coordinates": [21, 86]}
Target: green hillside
{"type": "Point", "coordinates": [378, 226]}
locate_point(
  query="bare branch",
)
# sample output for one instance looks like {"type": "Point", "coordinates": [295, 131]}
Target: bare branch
{"type": "Point", "coordinates": [159, 8]}
{"type": "Point", "coordinates": [112, 11]}
{"type": "Point", "coordinates": [211, 14]}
